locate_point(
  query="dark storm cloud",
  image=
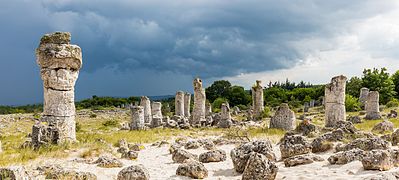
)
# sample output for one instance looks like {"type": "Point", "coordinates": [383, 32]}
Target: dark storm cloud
{"type": "Point", "coordinates": [153, 39]}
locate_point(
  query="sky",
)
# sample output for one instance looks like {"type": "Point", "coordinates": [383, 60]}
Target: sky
{"type": "Point", "coordinates": [157, 47]}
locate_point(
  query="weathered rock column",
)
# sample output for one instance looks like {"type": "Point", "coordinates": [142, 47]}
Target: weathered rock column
{"type": "Point", "coordinates": [284, 118]}
{"type": "Point", "coordinates": [137, 118]}
{"type": "Point", "coordinates": [225, 116]}
{"type": "Point", "coordinates": [198, 115]}
{"type": "Point", "coordinates": [146, 104]}
{"type": "Point", "coordinates": [335, 101]}
{"type": "Point", "coordinates": [179, 103]}
{"type": "Point", "coordinates": [187, 102]}
{"type": "Point", "coordinates": [373, 106]}
{"type": "Point", "coordinates": [59, 63]}
{"type": "Point", "coordinates": [208, 109]}
{"type": "Point", "coordinates": [364, 93]}
{"type": "Point", "coordinates": [257, 99]}
{"type": "Point", "coordinates": [156, 114]}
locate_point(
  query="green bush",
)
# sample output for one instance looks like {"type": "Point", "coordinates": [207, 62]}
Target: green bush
{"type": "Point", "coordinates": [351, 103]}
{"type": "Point", "coordinates": [242, 107]}
{"type": "Point", "coordinates": [217, 104]}
{"type": "Point", "coordinates": [112, 122]}
{"type": "Point", "coordinates": [393, 103]}
{"type": "Point", "coordinates": [266, 112]}
{"type": "Point", "coordinates": [78, 126]}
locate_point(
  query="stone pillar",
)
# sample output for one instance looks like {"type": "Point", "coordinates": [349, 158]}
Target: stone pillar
{"type": "Point", "coordinates": [179, 103]}
{"type": "Point", "coordinates": [146, 104]}
{"type": "Point", "coordinates": [364, 93]}
{"type": "Point", "coordinates": [208, 109]}
{"type": "Point", "coordinates": [187, 102]}
{"type": "Point", "coordinates": [373, 105]}
{"type": "Point", "coordinates": [284, 118]}
{"type": "Point", "coordinates": [137, 118]}
{"type": "Point", "coordinates": [312, 103]}
{"type": "Point", "coordinates": [156, 114]}
{"type": "Point", "coordinates": [199, 103]}
{"type": "Point", "coordinates": [225, 117]}
{"type": "Point", "coordinates": [257, 99]}
{"type": "Point", "coordinates": [335, 101]}
{"type": "Point", "coordinates": [59, 63]}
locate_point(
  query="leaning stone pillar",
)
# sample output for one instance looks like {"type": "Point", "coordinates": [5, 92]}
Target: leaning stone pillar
{"type": "Point", "coordinates": [257, 99]}
{"type": "Point", "coordinates": [364, 93]}
{"type": "Point", "coordinates": [373, 106]}
{"type": "Point", "coordinates": [199, 103]}
{"type": "Point", "coordinates": [59, 63]}
{"type": "Point", "coordinates": [187, 102]}
{"type": "Point", "coordinates": [137, 118]}
{"type": "Point", "coordinates": [335, 101]}
{"type": "Point", "coordinates": [146, 104]}
{"type": "Point", "coordinates": [179, 103]}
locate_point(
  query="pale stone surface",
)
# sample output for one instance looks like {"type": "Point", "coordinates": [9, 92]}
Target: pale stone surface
{"type": "Point", "coordinates": [335, 101]}
{"type": "Point", "coordinates": [137, 118]}
{"type": "Point", "coordinates": [179, 103]}
{"type": "Point", "coordinates": [146, 104]}
{"type": "Point", "coordinates": [187, 102]}
{"type": "Point", "coordinates": [156, 109]}
{"type": "Point", "coordinates": [284, 118]}
{"type": "Point", "coordinates": [373, 106]}
{"type": "Point", "coordinates": [259, 167]}
{"type": "Point", "coordinates": [364, 93]}
{"type": "Point", "coordinates": [225, 120]}
{"type": "Point", "coordinates": [198, 115]}
{"type": "Point", "coordinates": [257, 99]}
{"type": "Point", "coordinates": [59, 64]}
{"type": "Point", "coordinates": [208, 109]}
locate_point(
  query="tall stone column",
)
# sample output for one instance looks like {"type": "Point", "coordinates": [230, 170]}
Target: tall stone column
{"type": "Point", "coordinates": [198, 115]}
{"type": "Point", "coordinates": [257, 99]}
{"type": "Point", "coordinates": [156, 114]}
{"type": "Point", "coordinates": [225, 118]}
{"type": "Point", "coordinates": [364, 93]}
{"type": "Point", "coordinates": [187, 102]}
{"type": "Point", "coordinates": [137, 118]}
{"type": "Point", "coordinates": [208, 109]}
{"type": "Point", "coordinates": [373, 105]}
{"type": "Point", "coordinates": [179, 103]}
{"type": "Point", "coordinates": [59, 63]}
{"type": "Point", "coordinates": [146, 104]}
{"type": "Point", "coordinates": [335, 101]}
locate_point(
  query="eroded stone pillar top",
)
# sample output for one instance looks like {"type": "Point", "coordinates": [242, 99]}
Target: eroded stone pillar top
{"type": "Point", "coordinates": [56, 52]}
{"type": "Point", "coordinates": [258, 84]}
{"type": "Point", "coordinates": [197, 83]}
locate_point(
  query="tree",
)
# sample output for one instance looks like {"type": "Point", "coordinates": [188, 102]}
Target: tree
{"type": "Point", "coordinates": [236, 95]}
{"type": "Point", "coordinates": [395, 79]}
{"type": "Point", "coordinates": [351, 103]}
{"type": "Point", "coordinates": [379, 80]}
{"type": "Point", "coordinates": [216, 105]}
{"type": "Point", "coordinates": [217, 89]}
{"type": "Point", "coordinates": [353, 86]}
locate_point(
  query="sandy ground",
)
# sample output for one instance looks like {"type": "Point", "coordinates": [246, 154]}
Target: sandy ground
{"type": "Point", "coordinates": [159, 163]}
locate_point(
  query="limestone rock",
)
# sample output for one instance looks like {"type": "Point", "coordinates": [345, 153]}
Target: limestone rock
{"type": "Point", "coordinates": [373, 106]}
{"type": "Point", "coordinates": [335, 101]}
{"type": "Point", "coordinates": [301, 160]}
{"type": "Point", "coordinates": [306, 127]}
{"type": "Point", "coordinates": [259, 167]}
{"type": "Point", "coordinates": [225, 121]}
{"type": "Point", "coordinates": [355, 119]}
{"type": "Point", "coordinates": [365, 144]}
{"type": "Point", "coordinates": [393, 114]}
{"type": "Point", "coordinates": [137, 118]}
{"type": "Point", "coordinates": [108, 162]}
{"type": "Point", "coordinates": [364, 93]}
{"type": "Point", "coordinates": [323, 142]}
{"type": "Point", "coordinates": [60, 173]}
{"type": "Point", "coordinates": [180, 155]}
{"type": "Point", "coordinates": [208, 144]}
{"type": "Point", "coordinates": [345, 157]}
{"type": "Point", "coordinates": [198, 115]}
{"type": "Point", "coordinates": [179, 103]}
{"type": "Point", "coordinates": [241, 154]}
{"type": "Point", "coordinates": [192, 169]}
{"type": "Point", "coordinates": [14, 173]}
{"type": "Point", "coordinates": [294, 145]}
{"type": "Point", "coordinates": [146, 104]}
{"type": "Point", "coordinates": [193, 144]}
{"type": "Point", "coordinates": [257, 99]}
{"type": "Point", "coordinates": [346, 126]}
{"type": "Point", "coordinates": [131, 155]}
{"type": "Point", "coordinates": [136, 172]}
{"type": "Point", "coordinates": [395, 138]}
{"type": "Point", "coordinates": [383, 126]}
{"type": "Point", "coordinates": [187, 102]}
{"type": "Point", "coordinates": [212, 156]}
{"type": "Point", "coordinates": [377, 160]}
{"type": "Point", "coordinates": [284, 118]}
{"type": "Point", "coordinates": [44, 135]}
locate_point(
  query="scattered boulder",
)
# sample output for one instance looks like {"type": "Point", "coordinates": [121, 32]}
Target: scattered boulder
{"type": "Point", "coordinates": [137, 172]}
{"type": "Point", "coordinates": [14, 172]}
{"type": "Point", "coordinates": [355, 119]}
{"type": "Point", "coordinates": [395, 138]}
{"type": "Point", "coordinates": [377, 160]}
{"type": "Point", "coordinates": [208, 144]}
{"type": "Point", "coordinates": [383, 126]}
{"type": "Point", "coordinates": [193, 144]}
{"type": "Point", "coordinates": [365, 144]}
{"type": "Point", "coordinates": [193, 169]}
{"type": "Point", "coordinates": [284, 118]}
{"type": "Point", "coordinates": [345, 157]}
{"type": "Point", "coordinates": [212, 156]}
{"type": "Point", "coordinates": [306, 127]}
{"type": "Point", "coordinates": [241, 154]}
{"type": "Point", "coordinates": [108, 162]}
{"type": "Point", "coordinates": [292, 145]}
{"type": "Point", "coordinates": [180, 155]}
{"type": "Point", "coordinates": [135, 147]}
{"type": "Point", "coordinates": [131, 155]}
{"type": "Point", "coordinates": [384, 176]}
{"type": "Point", "coordinates": [174, 147]}
{"type": "Point", "coordinates": [70, 174]}
{"type": "Point", "coordinates": [324, 142]}
{"type": "Point", "coordinates": [346, 126]}
{"type": "Point", "coordinates": [301, 160]}
{"type": "Point", "coordinates": [259, 167]}
{"type": "Point", "coordinates": [393, 114]}
{"type": "Point", "coordinates": [122, 143]}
